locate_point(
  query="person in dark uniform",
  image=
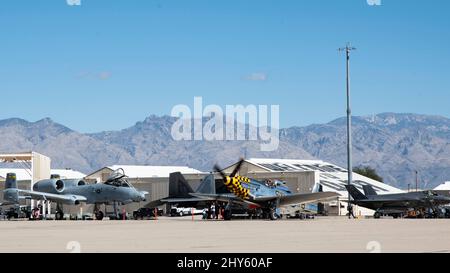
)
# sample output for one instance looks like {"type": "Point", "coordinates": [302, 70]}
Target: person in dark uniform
{"type": "Point", "coordinates": [350, 211]}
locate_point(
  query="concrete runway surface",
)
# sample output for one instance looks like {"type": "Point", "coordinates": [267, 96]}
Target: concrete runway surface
{"type": "Point", "coordinates": [325, 234]}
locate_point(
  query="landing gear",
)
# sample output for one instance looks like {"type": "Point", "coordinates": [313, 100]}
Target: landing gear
{"type": "Point", "coordinates": [99, 215]}
{"type": "Point", "coordinates": [377, 215]}
{"type": "Point", "coordinates": [59, 215]}
{"type": "Point", "coordinates": [273, 214]}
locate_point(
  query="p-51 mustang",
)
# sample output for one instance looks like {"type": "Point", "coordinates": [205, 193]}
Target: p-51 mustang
{"type": "Point", "coordinates": [266, 196]}
{"type": "Point", "coordinates": [116, 190]}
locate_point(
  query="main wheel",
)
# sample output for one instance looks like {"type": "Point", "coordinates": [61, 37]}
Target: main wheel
{"type": "Point", "coordinates": [273, 214]}
{"type": "Point", "coordinates": [377, 215]}
{"type": "Point", "coordinates": [99, 215]}
{"type": "Point", "coordinates": [59, 215]}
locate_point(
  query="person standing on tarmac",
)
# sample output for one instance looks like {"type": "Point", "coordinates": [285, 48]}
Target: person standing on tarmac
{"type": "Point", "coordinates": [205, 214]}
{"type": "Point", "coordinates": [217, 206]}
{"type": "Point", "coordinates": [213, 211]}
{"type": "Point", "coordinates": [350, 211]}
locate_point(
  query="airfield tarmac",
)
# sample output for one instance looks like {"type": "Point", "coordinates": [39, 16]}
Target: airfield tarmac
{"type": "Point", "coordinates": [324, 234]}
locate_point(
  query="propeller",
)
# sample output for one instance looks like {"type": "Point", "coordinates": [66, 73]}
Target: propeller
{"type": "Point", "coordinates": [233, 173]}
{"type": "Point", "coordinates": [219, 170]}
{"type": "Point", "coordinates": [234, 185]}
{"type": "Point", "coordinates": [237, 168]}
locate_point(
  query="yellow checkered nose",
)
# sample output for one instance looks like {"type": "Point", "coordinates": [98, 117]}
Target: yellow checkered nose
{"type": "Point", "coordinates": [234, 185]}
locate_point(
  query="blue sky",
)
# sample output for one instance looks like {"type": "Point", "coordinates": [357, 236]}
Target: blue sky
{"type": "Point", "coordinates": [106, 64]}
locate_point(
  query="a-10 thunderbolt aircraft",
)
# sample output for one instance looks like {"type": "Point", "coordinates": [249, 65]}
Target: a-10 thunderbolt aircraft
{"type": "Point", "coordinates": [116, 190]}
{"type": "Point", "coordinates": [398, 204]}
{"type": "Point", "coordinates": [267, 196]}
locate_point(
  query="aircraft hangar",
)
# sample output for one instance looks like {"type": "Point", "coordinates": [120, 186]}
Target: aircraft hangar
{"type": "Point", "coordinates": [301, 176]}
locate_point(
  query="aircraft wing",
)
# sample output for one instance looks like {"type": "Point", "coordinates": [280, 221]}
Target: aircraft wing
{"type": "Point", "coordinates": [224, 197]}
{"type": "Point", "coordinates": [215, 197]}
{"type": "Point", "coordinates": [163, 201]}
{"type": "Point", "coordinates": [391, 203]}
{"type": "Point", "coordinates": [64, 198]}
{"type": "Point", "coordinates": [7, 204]}
{"type": "Point", "coordinates": [182, 200]}
{"type": "Point", "coordinates": [301, 198]}
{"type": "Point", "coordinates": [196, 197]}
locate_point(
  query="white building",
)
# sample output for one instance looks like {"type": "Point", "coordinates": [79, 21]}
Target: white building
{"type": "Point", "coordinates": [443, 187]}
{"type": "Point", "coordinates": [135, 172]}
{"type": "Point", "coordinates": [23, 174]}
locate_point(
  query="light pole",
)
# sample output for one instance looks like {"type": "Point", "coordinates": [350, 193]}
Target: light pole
{"type": "Point", "coordinates": [417, 180]}
{"type": "Point", "coordinates": [347, 50]}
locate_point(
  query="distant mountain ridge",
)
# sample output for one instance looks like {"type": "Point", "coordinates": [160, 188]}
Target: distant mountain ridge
{"type": "Point", "coordinates": [396, 145]}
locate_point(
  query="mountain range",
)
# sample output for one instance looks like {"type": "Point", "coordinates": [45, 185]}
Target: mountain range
{"type": "Point", "coordinates": [396, 145]}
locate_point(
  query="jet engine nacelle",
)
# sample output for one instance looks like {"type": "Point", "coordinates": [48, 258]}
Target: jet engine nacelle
{"type": "Point", "coordinates": [50, 186]}
{"type": "Point", "coordinates": [73, 183]}
{"type": "Point", "coordinates": [56, 185]}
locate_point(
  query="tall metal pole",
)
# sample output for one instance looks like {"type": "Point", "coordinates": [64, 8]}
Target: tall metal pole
{"type": "Point", "coordinates": [417, 180]}
{"type": "Point", "coordinates": [347, 50]}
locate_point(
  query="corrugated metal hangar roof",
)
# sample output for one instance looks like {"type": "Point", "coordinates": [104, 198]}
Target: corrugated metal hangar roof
{"type": "Point", "coordinates": [332, 177]}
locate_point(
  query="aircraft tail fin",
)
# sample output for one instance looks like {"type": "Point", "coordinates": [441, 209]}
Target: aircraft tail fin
{"type": "Point", "coordinates": [208, 185]}
{"type": "Point", "coordinates": [11, 181]}
{"type": "Point", "coordinates": [369, 190]}
{"type": "Point", "coordinates": [178, 186]}
{"type": "Point", "coordinates": [11, 194]}
{"type": "Point", "coordinates": [355, 193]}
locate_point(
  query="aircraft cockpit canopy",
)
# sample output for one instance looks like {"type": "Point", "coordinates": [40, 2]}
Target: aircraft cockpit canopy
{"type": "Point", "coordinates": [117, 179]}
{"type": "Point", "coordinates": [280, 183]}
{"type": "Point", "coordinates": [274, 183]}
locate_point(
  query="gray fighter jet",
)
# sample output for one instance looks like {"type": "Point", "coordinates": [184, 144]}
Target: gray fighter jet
{"type": "Point", "coordinates": [116, 190]}
{"type": "Point", "coordinates": [419, 203]}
